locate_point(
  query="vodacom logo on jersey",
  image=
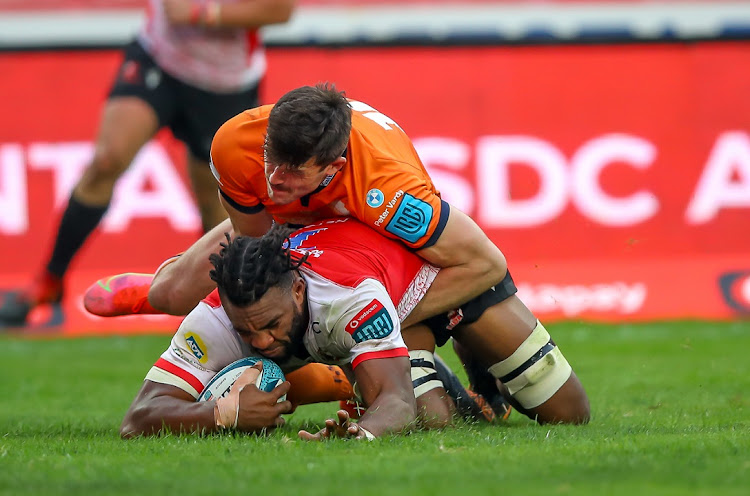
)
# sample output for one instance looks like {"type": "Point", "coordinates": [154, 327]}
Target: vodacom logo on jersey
{"type": "Point", "coordinates": [373, 307]}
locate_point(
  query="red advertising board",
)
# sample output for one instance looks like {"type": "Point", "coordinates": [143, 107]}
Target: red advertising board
{"type": "Point", "coordinates": [616, 179]}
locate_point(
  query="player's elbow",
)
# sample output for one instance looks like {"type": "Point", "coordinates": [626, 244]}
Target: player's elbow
{"type": "Point", "coordinates": [135, 423]}
{"type": "Point", "coordinates": [493, 266]}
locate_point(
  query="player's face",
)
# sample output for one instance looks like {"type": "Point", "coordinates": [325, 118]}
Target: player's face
{"type": "Point", "coordinates": [286, 185]}
{"type": "Point", "coordinates": [275, 324]}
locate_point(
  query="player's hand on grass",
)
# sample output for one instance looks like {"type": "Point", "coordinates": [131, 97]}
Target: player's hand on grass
{"type": "Point", "coordinates": [343, 428]}
{"type": "Point", "coordinates": [247, 408]}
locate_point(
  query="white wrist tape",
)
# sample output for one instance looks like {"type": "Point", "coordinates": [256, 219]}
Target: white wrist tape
{"type": "Point", "coordinates": [227, 412]}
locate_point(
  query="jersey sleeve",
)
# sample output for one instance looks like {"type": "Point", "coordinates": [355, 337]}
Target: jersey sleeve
{"type": "Point", "coordinates": [367, 323]}
{"type": "Point", "coordinates": [236, 160]}
{"type": "Point", "coordinates": [407, 209]}
{"type": "Point", "coordinates": [200, 348]}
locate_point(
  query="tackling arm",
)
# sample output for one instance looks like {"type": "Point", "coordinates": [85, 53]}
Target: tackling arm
{"type": "Point", "coordinates": [255, 225]}
{"type": "Point", "coordinates": [470, 264]}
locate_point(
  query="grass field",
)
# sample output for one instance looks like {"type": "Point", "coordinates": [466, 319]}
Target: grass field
{"type": "Point", "coordinates": [670, 402]}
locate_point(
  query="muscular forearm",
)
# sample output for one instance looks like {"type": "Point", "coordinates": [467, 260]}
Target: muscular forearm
{"type": "Point", "coordinates": [165, 413]}
{"type": "Point", "coordinates": [470, 265]}
{"type": "Point", "coordinates": [453, 287]}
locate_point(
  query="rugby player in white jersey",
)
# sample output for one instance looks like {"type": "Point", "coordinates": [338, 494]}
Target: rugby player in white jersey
{"type": "Point", "coordinates": [336, 292]}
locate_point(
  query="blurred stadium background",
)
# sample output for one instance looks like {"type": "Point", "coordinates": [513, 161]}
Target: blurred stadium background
{"type": "Point", "coordinates": [603, 145]}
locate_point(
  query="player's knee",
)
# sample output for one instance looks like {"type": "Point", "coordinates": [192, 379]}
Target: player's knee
{"type": "Point", "coordinates": [108, 163]}
{"type": "Point", "coordinates": [536, 372]}
{"type": "Point", "coordinates": [571, 404]}
{"type": "Point", "coordinates": [434, 410]}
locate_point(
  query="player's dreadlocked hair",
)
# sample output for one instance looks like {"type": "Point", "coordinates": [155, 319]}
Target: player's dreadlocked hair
{"type": "Point", "coordinates": [246, 267]}
{"type": "Point", "coordinates": [308, 122]}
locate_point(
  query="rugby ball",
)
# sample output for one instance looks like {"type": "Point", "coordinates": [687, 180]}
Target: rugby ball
{"type": "Point", "coordinates": [222, 382]}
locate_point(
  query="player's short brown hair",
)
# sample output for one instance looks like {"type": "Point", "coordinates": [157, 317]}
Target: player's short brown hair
{"type": "Point", "coordinates": [308, 122]}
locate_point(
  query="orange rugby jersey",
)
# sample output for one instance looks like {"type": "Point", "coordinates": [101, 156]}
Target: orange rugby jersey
{"type": "Point", "coordinates": [383, 184]}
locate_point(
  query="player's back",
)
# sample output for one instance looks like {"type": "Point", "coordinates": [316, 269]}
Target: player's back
{"type": "Point", "coordinates": [347, 252]}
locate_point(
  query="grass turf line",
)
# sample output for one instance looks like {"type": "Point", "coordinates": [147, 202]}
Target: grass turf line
{"type": "Point", "coordinates": [670, 416]}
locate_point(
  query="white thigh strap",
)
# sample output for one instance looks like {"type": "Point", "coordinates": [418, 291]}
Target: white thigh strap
{"type": "Point", "coordinates": [535, 371]}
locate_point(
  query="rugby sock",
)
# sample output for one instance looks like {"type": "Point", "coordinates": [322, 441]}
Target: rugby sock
{"type": "Point", "coordinates": [78, 221]}
{"type": "Point", "coordinates": [317, 383]}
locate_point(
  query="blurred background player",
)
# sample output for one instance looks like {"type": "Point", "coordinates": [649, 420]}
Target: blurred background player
{"type": "Point", "coordinates": [193, 65]}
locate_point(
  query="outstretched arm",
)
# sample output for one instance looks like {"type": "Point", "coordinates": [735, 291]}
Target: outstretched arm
{"type": "Point", "coordinates": [162, 407]}
{"type": "Point", "coordinates": [385, 386]}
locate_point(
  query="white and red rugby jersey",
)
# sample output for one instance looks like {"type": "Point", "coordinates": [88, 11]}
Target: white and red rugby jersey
{"type": "Point", "coordinates": [217, 60]}
{"type": "Point", "coordinates": [360, 286]}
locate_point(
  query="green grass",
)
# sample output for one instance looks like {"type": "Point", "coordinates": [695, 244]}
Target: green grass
{"type": "Point", "coordinates": [670, 402]}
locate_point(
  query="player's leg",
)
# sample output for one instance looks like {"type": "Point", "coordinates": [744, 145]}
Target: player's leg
{"type": "Point", "coordinates": [178, 285]}
{"type": "Point", "coordinates": [435, 409]}
{"type": "Point", "coordinates": [202, 113]}
{"type": "Point", "coordinates": [206, 193]}
{"type": "Point", "coordinates": [439, 392]}
{"type": "Point", "coordinates": [127, 123]}
{"type": "Point", "coordinates": [514, 346]}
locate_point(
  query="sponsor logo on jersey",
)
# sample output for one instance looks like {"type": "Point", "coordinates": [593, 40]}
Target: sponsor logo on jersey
{"type": "Point", "coordinates": [327, 180]}
{"type": "Point", "coordinates": [295, 242]}
{"type": "Point", "coordinates": [411, 219]}
{"type": "Point", "coordinates": [197, 347]}
{"type": "Point", "coordinates": [735, 288]}
{"type": "Point", "coordinates": [188, 358]}
{"type": "Point", "coordinates": [373, 322]}
{"type": "Point", "coordinates": [385, 213]}
{"type": "Point", "coordinates": [375, 198]}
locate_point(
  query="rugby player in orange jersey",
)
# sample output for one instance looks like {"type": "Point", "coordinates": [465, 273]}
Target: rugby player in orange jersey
{"type": "Point", "coordinates": [315, 154]}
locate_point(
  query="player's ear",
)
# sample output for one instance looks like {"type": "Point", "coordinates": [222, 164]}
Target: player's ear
{"type": "Point", "coordinates": [298, 290]}
{"type": "Point", "coordinates": [335, 166]}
